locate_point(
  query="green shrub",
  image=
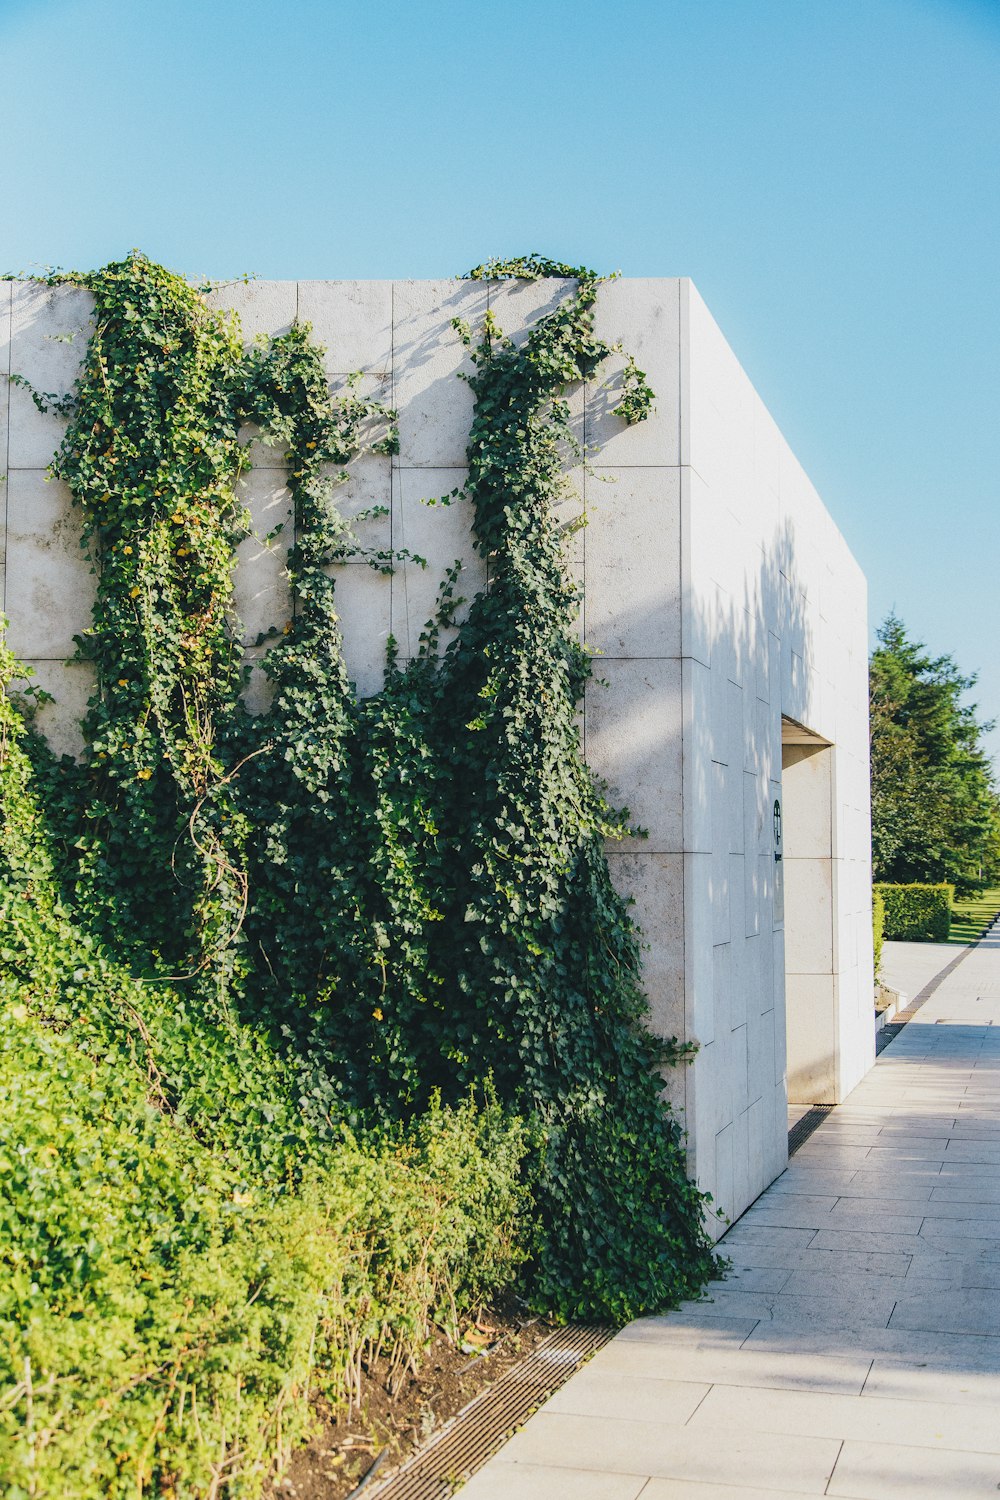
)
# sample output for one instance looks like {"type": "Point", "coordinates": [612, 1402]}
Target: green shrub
{"type": "Point", "coordinates": [878, 927]}
{"type": "Point", "coordinates": [162, 1318]}
{"type": "Point", "coordinates": [153, 1320]}
{"type": "Point", "coordinates": [917, 913]}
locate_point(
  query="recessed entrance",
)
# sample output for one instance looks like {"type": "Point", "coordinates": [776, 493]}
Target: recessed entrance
{"type": "Point", "coordinates": [807, 876]}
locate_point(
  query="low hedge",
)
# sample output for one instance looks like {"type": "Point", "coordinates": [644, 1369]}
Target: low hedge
{"type": "Point", "coordinates": [916, 913]}
{"type": "Point", "coordinates": [878, 927]}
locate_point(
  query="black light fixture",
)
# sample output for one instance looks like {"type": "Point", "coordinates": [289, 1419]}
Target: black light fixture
{"type": "Point", "coordinates": [777, 830]}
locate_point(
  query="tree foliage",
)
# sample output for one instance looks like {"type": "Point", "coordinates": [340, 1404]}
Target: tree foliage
{"type": "Point", "coordinates": [935, 807]}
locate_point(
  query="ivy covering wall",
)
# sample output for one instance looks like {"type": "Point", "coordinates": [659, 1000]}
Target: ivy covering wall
{"type": "Point", "coordinates": [340, 915]}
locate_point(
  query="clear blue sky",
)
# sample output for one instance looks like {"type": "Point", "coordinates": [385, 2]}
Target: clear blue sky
{"type": "Point", "coordinates": [828, 172]}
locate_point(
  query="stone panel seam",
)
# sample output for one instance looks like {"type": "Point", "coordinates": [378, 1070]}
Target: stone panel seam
{"type": "Point", "coordinates": [392, 456]}
{"type": "Point", "coordinates": [680, 367]}
{"type": "Point", "coordinates": [295, 534]}
{"type": "Point", "coordinates": [684, 500]}
{"type": "Point", "coordinates": [6, 457]}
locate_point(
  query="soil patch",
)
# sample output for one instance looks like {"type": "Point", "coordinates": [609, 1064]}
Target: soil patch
{"type": "Point", "coordinates": [389, 1428]}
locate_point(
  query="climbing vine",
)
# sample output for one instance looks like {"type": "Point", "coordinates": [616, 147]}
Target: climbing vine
{"type": "Point", "coordinates": [543, 958]}
{"type": "Point", "coordinates": [409, 894]}
{"type": "Point", "coordinates": [151, 457]}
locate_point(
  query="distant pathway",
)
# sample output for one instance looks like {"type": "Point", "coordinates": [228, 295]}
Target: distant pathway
{"type": "Point", "coordinates": [910, 967]}
{"type": "Point", "coordinates": [854, 1350]}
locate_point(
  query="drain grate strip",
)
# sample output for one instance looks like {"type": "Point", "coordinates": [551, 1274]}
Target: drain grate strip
{"type": "Point", "coordinates": [806, 1124]}
{"type": "Point", "coordinates": [465, 1444]}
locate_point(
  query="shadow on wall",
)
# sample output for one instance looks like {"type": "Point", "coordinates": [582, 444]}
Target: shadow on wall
{"type": "Point", "coordinates": [691, 743]}
{"type": "Point", "coordinates": [675, 735]}
{"type": "Point", "coordinates": [750, 654]}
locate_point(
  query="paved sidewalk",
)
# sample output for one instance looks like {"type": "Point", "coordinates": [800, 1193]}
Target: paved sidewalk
{"type": "Point", "coordinates": [907, 967]}
{"type": "Point", "coordinates": [854, 1349]}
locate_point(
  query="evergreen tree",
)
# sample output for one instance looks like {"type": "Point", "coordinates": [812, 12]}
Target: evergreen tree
{"type": "Point", "coordinates": [935, 805]}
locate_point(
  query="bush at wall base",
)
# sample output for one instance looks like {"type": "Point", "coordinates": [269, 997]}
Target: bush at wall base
{"type": "Point", "coordinates": [878, 928]}
{"type": "Point", "coordinates": [916, 913]}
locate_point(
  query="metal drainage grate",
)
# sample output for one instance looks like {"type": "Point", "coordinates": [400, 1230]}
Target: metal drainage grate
{"type": "Point", "coordinates": [806, 1124]}
{"type": "Point", "coordinates": [465, 1444]}
{"type": "Point", "coordinates": [886, 1034]}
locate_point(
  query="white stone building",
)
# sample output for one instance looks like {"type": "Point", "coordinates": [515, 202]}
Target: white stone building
{"type": "Point", "coordinates": [729, 618]}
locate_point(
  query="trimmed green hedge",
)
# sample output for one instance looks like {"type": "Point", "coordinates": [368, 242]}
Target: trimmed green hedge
{"type": "Point", "coordinates": [917, 913]}
{"type": "Point", "coordinates": [878, 927]}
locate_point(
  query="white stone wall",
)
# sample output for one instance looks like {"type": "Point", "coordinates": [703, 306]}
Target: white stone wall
{"type": "Point", "coordinates": [774, 623]}
{"type": "Point", "coordinates": [718, 595]}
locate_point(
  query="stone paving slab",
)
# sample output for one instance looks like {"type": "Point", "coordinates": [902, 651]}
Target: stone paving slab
{"type": "Point", "coordinates": [684, 1489]}
{"type": "Point", "coordinates": [839, 1308]}
{"type": "Point", "coordinates": [887, 1471]}
{"type": "Point", "coordinates": [762, 1368]}
{"type": "Point", "coordinates": [547, 1482]}
{"type": "Point", "coordinates": [977, 1151]}
{"type": "Point", "coordinates": [920, 1424]}
{"type": "Point", "coordinates": [853, 1350]}
{"type": "Point", "coordinates": [949, 1231]}
{"type": "Point", "coordinates": [844, 1285]}
{"type": "Point", "coordinates": [755, 1279]}
{"type": "Point", "coordinates": [916, 1186]}
{"type": "Point", "coordinates": [746, 1233]}
{"type": "Point", "coordinates": [907, 1380]}
{"type": "Point", "coordinates": [865, 1239]}
{"type": "Point", "coordinates": [689, 1331]}
{"type": "Point", "coordinates": [625, 1396]}
{"type": "Point", "coordinates": [826, 1262]}
{"type": "Point", "coordinates": [677, 1452]}
{"type": "Point", "coordinates": [935, 1350]}
{"type": "Point", "coordinates": [975, 1193]}
{"type": "Point", "coordinates": [921, 1204]}
{"type": "Point", "coordinates": [968, 1310]}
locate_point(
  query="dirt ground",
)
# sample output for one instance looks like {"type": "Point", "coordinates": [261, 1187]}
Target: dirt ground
{"type": "Point", "coordinates": [387, 1429]}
